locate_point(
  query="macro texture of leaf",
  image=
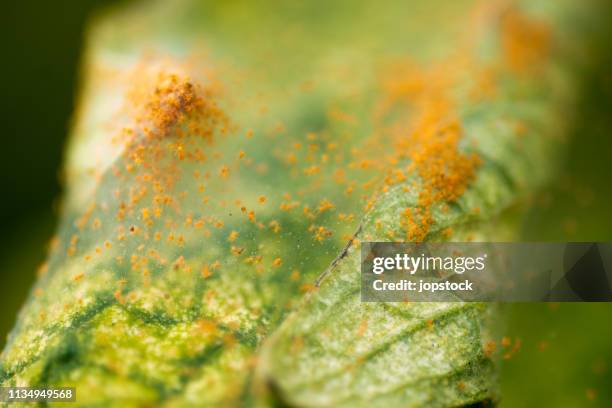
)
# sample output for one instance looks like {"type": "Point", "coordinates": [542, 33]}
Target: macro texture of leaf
{"type": "Point", "coordinates": [224, 156]}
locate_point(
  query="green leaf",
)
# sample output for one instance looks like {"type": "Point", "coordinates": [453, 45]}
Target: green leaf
{"type": "Point", "coordinates": [213, 174]}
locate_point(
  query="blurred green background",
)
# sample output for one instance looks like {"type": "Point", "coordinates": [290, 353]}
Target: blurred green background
{"type": "Point", "coordinates": [565, 359]}
{"type": "Point", "coordinates": [40, 52]}
{"type": "Point", "coordinates": [565, 356]}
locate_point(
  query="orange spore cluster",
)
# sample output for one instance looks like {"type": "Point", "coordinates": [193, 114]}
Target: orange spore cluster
{"type": "Point", "coordinates": [526, 41]}
{"type": "Point", "coordinates": [444, 171]}
{"type": "Point", "coordinates": [427, 146]}
{"type": "Point", "coordinates": [171, 120]}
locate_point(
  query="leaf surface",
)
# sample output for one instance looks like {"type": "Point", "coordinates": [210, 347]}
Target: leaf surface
{"type": "Point", "coordinates": [213, 174]}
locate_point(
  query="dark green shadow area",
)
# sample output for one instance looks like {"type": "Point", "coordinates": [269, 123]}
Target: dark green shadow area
{"type": "Point", "coordinates": [41, 45]}
{"type": "Point", "coordinates": [565, 359]}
